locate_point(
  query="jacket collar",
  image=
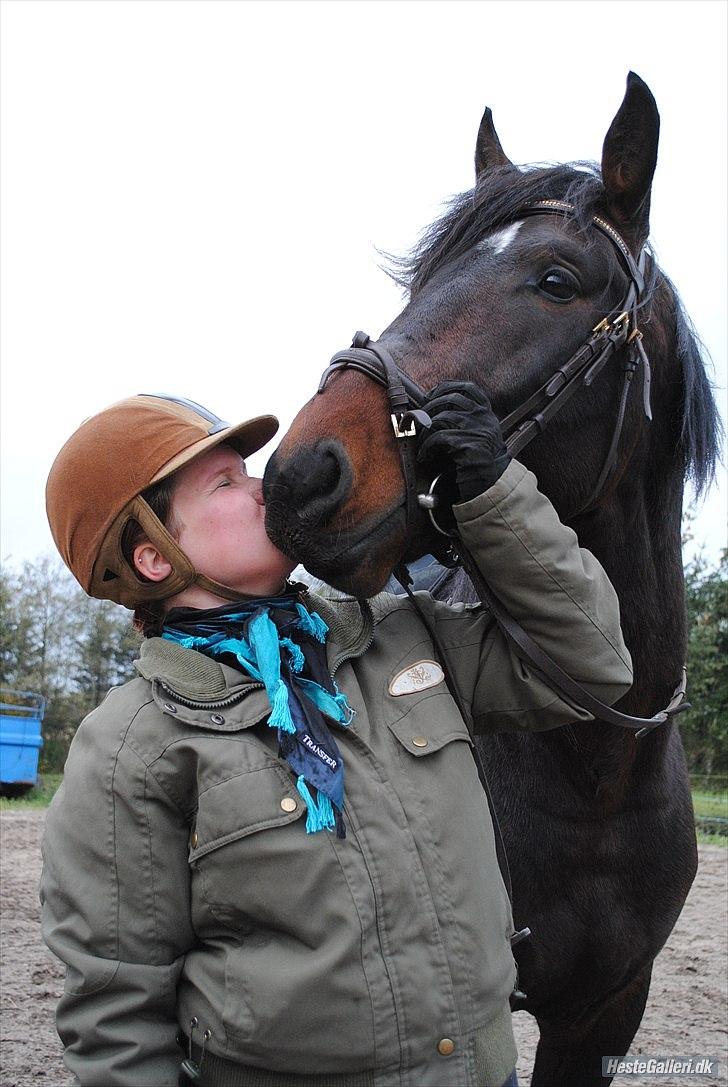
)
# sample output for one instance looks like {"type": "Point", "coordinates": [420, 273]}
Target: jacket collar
{"type": "Point", "coordinates": [201, 691]}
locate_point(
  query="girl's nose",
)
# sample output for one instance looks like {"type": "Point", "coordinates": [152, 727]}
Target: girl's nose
{"type": "Point", "coordinates": [256, 490]}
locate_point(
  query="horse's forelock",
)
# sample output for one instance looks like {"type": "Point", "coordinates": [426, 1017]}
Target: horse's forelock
{"type": "Point", "coordinates": [496, 201]}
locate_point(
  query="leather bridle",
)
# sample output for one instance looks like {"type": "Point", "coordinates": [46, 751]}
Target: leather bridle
{"type": "Point", "coordinates": [532, 416]}
{"type": "Point", "coordinates": [520, 427]}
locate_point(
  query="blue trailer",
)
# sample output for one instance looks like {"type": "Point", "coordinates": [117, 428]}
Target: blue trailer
{"type": "Point", "coordinates": [21, 714]}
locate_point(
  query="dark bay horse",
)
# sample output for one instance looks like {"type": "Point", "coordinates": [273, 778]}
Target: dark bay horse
{"type": "Point", "coordinates": [598, 825]}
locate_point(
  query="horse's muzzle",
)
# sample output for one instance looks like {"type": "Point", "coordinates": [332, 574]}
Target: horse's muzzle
{"type": "Point", "coordinates": [305, 499]}
{"type": "Point", "coordinates": [309, 487]}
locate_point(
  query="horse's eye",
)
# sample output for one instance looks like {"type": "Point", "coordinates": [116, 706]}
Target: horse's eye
{"type": "Point", "coordinates": [559, 285]}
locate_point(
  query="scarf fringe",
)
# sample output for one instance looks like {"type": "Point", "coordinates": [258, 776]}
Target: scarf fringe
{"type": "Point", "coordinates": [281, 715]}
{"type": "Point", "coordinates": [312, 623]}
{"type": "Point", "coordinates": [347, 713]}
{"type": "Point", "coordinates": [320, 812]}
{"type": "Point", "coordinates": [295, 653]}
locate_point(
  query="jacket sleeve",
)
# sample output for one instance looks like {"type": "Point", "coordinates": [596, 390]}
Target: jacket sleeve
{"type": "Point", "coordinates": [115, 909]}
{"type": "Point", "coordinates": [556, 590]}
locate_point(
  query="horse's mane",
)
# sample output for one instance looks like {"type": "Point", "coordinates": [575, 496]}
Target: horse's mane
{"type": "Point", "coordinates": [496, 201]}
{"type": "Point", "coordinates": [701, 429]}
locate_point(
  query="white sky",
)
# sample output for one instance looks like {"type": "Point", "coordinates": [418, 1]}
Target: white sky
{"type": "Point", "coordinates": [193, 190]}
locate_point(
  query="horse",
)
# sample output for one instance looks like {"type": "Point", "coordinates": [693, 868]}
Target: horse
{"type": "Point", "coordinates": [598, 824]}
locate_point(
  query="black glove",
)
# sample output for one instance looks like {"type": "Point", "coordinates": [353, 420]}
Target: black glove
{"type": "Point", "coordinates": [466, 435]}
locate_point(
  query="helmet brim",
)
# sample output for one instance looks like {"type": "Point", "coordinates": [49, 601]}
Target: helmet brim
{"type": "Point", "coordinates": [246, 438]}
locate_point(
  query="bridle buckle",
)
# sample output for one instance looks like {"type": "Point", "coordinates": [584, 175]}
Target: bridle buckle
{"type": "Point", "coordinates": [409, 430]}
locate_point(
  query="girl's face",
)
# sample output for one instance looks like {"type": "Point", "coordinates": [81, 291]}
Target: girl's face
{"type": "Point", "coordinates": [219, 514]}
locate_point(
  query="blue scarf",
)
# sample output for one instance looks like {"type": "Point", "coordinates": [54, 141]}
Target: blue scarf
{"type": "Point", "coordinates": [279, 642]}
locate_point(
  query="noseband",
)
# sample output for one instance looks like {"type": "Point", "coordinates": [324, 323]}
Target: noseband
{"type": "Point", "coordinates": [520, 427]}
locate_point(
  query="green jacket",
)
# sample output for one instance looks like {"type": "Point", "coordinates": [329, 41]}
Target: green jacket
{"type": "Point", "coordinates": [179, 881]}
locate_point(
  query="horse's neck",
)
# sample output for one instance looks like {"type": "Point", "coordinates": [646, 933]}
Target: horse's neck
{"type": "Point", "coordinates": [636, 537]}
{"type": "Point", "coordinates": [637, 540]}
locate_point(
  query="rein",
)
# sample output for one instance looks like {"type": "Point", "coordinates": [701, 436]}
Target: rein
{"type": "Point", "coordinates": [519, 427]}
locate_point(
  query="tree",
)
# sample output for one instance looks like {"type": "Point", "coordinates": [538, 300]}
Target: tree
{"type": "Point", "coordinates": [106, 644]}
{"type": "Point", "coordinates": [8, 637]}
{"type": "Point", "coordinates": [58, 642]}
{"type": "Point", "coordinates": [704, 728]}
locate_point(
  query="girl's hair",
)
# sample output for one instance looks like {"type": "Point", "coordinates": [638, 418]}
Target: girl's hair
{"type": "Point", "coordinates": [149, 616]}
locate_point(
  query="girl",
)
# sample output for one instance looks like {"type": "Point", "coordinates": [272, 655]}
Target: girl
{"type": "Point", "coordinates": [271, 862]}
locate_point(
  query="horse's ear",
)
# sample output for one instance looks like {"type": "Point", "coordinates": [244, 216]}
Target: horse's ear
{"type": "Point", "coordinates": [629, 157]}
{"type": "Point", "coordinates": [488, 150]}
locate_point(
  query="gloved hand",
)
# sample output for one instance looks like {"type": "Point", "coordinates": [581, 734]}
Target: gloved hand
{"type": "Point", "coordinates": [465, 435]}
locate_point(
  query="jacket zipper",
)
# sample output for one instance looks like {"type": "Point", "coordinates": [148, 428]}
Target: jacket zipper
{"type": "Point", "coordinates": [343, 660]}
{"type": "Point", "coordinates": [221, 704]}
{"type": "Point", "coordinates": [351, 656]}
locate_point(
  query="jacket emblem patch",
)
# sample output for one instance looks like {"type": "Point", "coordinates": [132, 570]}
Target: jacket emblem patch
{"type": "Point", "coordinates": [416, 677]}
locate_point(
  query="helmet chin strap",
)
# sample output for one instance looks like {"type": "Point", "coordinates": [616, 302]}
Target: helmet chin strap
{"type": "Point", "coordinates": [130, 590]}
{"type": "Point", "coordinates": [217, 589]}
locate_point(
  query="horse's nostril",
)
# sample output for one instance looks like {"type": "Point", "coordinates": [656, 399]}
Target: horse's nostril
{"type": "Point", "coordinates": [315, 480]}
{"type": "Point", "coordinates": [324, 476]}
{"type": "Point", "coordinates": [311, 474]}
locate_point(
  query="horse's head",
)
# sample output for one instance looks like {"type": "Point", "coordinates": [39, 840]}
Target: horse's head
{"type": "Point", "coordinates": [499, 297]}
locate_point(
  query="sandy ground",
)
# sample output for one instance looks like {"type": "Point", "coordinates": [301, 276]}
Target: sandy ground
{"type": "Point", "coordinates": [686, 1012]}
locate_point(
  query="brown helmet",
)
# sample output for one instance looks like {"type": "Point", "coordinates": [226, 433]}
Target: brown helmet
{"type": "Point", "coordinates": [94, 490]}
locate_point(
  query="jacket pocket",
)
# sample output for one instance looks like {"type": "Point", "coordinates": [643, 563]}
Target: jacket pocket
{"type": "Point", "coordinates": [241, 805]}
{"type": "Point", "coordinates": [429, 723]}
{"type": "Point", "coordinates": [280, 929]}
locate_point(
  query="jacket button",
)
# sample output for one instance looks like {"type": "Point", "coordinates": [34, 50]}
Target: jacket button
{"type": "Point", "coordinates": [288, 803]}
{"type": "Point", "coordinates": [194, 839]}
{"type": "Point", "coordinates": [169, 707]}
{"type": "Point", "coordinates": [446, 1047]}
{"type": "Point", "coordinates": [217, 719]}
{"type": "Point", "coordinates": [419, 741]}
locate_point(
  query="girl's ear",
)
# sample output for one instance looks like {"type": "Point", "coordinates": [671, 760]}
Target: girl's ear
{"type": "Point", "coordinates": [150, 563]}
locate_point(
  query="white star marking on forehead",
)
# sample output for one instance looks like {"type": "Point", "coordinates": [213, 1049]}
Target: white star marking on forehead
{"type": "Point", "coordinates": [500, 241]}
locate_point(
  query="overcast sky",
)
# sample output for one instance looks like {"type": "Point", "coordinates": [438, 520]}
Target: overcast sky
{"type": "Point", "coordinates": [193, 193]}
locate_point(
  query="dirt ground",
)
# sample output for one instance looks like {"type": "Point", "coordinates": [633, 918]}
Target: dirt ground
{"type": "Point", "coordinates": [686, 1012]}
